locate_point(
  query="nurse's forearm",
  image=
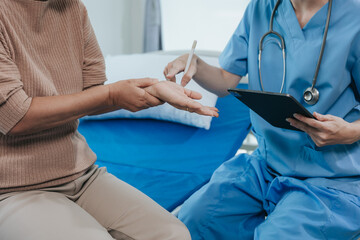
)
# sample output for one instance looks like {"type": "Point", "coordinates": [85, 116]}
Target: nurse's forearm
{"type": "Point", "coordinates": [215, 79]}
{"type": "Point", "coordinates": [356, 126]}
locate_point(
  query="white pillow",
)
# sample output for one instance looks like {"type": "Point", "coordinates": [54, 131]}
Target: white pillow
{"type": "Point", "coordinates": [124, 67]}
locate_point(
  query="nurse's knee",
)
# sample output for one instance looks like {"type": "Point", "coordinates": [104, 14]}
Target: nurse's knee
{"type": "Point", "coordinates": [260, 234]}
{"type": "Point", "coordinates": [194, 211]}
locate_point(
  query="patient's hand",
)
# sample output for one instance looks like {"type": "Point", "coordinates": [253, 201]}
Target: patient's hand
{"type": "Point", "coordinates": [180, 98]}
{"type": "Point", "coordinates": [131, 95]}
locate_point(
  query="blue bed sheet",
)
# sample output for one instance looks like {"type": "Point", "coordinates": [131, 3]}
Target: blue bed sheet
{"type": "Point", "coordinates": [165, 160]}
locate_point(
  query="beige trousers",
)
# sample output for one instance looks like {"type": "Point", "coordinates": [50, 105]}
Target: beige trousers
{"type": "Point", "coordinates": [97, 206]}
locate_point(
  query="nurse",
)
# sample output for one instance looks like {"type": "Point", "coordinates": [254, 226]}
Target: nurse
{"type": "Point", "coordinates": [52, 73]}
{"type": "Point", "coordinates": [296, 185]}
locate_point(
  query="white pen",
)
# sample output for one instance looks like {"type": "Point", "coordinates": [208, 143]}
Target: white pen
{"type": "Point", "coordinates": [191, 54]}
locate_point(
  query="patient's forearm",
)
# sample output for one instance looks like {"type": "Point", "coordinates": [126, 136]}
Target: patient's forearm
{"type": "Point", "coordinates": [48, 112]}
{"type": "Point", "coordinates": [215, 79]}
{"type": "Point", "coordinates": [105, 110]}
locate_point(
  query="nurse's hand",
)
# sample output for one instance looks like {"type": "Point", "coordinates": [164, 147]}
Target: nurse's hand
{"type": "Point", "coordinates": [178, 65]}
{"type": "Point", "coordinates": [327, 129]}
{"type": "Point", "coordinates": [180, 98]}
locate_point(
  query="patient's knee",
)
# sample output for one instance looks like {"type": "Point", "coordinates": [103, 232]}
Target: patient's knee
{"type": "Point", "coordinates": [179, 232]}
{"type": "Point", "coordinates": [173, 230]}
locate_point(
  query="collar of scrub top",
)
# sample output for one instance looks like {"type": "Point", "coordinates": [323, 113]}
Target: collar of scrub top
{"type": "Point", "coordinates": [311, 94]}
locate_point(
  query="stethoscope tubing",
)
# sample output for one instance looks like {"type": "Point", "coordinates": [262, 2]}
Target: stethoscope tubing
{"type": "Point", "coordinates": [322, 45]}
{"type": "Point", "coordinates": [312, 89]}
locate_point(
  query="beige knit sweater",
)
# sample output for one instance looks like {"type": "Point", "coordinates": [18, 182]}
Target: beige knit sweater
{"type": "Point", "coordinates": [47, 48]}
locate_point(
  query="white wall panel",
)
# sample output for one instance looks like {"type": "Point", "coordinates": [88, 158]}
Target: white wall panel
{"type": "Point", "coordinates": [211, 22]}
{"type": "Point", "coordinates": [118, 24]}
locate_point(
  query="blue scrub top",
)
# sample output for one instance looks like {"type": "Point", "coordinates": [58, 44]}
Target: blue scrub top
{"type": "Point", "coordinates": [292, 153]}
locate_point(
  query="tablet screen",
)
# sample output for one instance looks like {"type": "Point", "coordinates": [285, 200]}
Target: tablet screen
{"type": "Point", "coordinates": [273, 107]}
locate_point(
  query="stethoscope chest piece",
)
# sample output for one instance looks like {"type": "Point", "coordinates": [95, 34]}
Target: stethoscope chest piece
{"type": "Point", "coordinates": [311, 96]}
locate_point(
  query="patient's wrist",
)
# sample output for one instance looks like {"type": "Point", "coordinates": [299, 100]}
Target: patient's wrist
{"type": "Point", "coordinates": [107, 93]}
{"type": "Point", "coordinates": [152, 90]}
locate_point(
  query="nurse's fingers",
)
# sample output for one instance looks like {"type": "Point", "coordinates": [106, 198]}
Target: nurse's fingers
{"type": "Point", "coordinates": [314, 123]}
{"type": "Point", "coordinates": [168, 76]}
{"type": "Point", "coordinates": [173, 68]}
{"type": "Point", "coordinates": [300, 125]}
{"type": "Point", "coordinates": [312, 132]}
{"type": "Point", "coordinates": [190, 73]}
{"type": "Point", "coordinates": [323, 118]}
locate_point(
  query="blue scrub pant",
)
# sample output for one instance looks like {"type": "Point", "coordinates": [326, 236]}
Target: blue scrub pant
{"type": "Point", "coordinates": [241, 193]}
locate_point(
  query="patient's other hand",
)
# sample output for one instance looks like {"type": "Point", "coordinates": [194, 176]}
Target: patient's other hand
{"type": "Point", "coordinates": [180, 98]}
{"type": "Point", "coordinates": [131, 94]}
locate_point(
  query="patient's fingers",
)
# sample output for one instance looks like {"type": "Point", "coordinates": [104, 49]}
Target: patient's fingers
{"type": "Point", "coordinates": [208, 111]}
{"type": "Point", "coordinates": [193, 94]}
{"type": "Point", "coordinates": [193, 106]}
{"type": "Point", "coordinates": [199, 109]}
{"type": "Point", "coordinates": [145, 82]}
{"type": "Point", "coordinates": [151, 100]}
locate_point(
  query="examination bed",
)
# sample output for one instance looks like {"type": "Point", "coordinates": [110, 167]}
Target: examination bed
{"type": "Point", "coordinates": [168, 161]}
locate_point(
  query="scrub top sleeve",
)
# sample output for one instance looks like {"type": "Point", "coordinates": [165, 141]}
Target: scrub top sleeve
{"type": "Point", "coordinates": [356, 76]}
{"type": "Point", "coordinates": [234, 57]}
{"type": "Point", "coordinates": [93, 62]}
{"type": "Point", "coordinates": [14, 102]}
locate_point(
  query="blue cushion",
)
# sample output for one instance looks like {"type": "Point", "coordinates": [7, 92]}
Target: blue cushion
{"type": "Point", "coordinates": [165, 160]}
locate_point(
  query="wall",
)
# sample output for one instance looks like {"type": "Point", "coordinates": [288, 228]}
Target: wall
{"type": "Point", "coordinates": [210, 22]}
{"type": "Point", "coordinates": [118, 25]}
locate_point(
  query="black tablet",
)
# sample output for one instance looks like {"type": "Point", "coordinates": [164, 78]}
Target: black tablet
{"type": "Point", "coordinates": [273, 107]}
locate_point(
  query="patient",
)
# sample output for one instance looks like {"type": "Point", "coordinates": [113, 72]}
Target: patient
{"type": "Point", "coordinates": [51, 74]}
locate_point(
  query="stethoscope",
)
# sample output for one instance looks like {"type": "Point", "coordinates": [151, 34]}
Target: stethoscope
{"type": "Point", "coordinates": [311, 94]}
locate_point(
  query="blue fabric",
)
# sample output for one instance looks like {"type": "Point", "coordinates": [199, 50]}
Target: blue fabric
{"type": "Point", "coordinates": [168, 161]}
{"type": "Point", "coordinates": [242, 192]}
{"type": "Point", "coordinates": [292, 153]}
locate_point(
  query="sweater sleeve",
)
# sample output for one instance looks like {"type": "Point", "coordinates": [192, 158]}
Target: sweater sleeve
{"type": "Point", "coordinates": [14, 102]}
{"type": "Point", "coordinates": [94, 64]}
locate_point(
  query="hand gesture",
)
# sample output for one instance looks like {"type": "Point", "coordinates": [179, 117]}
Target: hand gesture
{"type": "Point", "coordinates": [177, 66]}
{"type": "Point", "coordinates": [180, 98]}
{"type": "Point", "coordinates": [131, 94]}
